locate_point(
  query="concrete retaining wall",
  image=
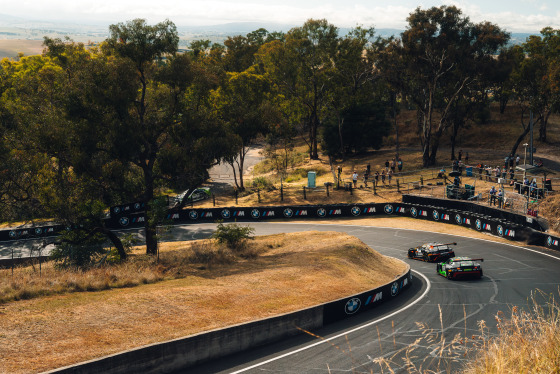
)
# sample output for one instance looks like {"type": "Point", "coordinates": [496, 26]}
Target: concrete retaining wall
{"type": "Point", "coordinates": [186, 352]}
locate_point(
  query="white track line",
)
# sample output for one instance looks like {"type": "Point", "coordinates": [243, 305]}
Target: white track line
{"type": "Point", "coordinates": [344, 333]}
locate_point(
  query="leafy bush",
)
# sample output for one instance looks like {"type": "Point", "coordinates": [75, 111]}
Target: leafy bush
{"type": "Point", "coordinates": [233, 235]}
{"type": "Point", "coordinates": [77, 249]}
{"type": "Point", "coordinates": [262, 183]}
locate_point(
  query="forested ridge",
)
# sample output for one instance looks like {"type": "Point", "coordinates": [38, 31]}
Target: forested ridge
{"type": "Point", "coordinates": [85, 128]}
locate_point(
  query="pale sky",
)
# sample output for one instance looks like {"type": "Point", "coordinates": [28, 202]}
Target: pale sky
{"type": "Point", "coordinates": [512, 15]}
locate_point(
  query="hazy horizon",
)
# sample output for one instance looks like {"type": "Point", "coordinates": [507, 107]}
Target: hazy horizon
{"type": "Point", "coordinates": [522, 16]}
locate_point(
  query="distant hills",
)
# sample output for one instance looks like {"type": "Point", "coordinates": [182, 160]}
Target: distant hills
{"type": "Point", "coordinates": [12, 28]}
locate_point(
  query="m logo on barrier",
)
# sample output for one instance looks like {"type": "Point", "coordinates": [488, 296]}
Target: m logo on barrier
{"type": "Point", "coordinates": [551, 242]}
{"type": "Point", "coordinates": [377, 297]}
{"type": "Point", "coordinates": [352, 305]}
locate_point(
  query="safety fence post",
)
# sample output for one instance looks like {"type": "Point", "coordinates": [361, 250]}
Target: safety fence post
{"type": "Point", "coordinates": [304, 194]}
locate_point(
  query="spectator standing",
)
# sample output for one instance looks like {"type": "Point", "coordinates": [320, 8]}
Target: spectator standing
{"type": "Point", "coordinates": [383, 175]}
{"type": "Point", "coordinates": [399, 164]}
{"type": "Point", "coordinates": [386, 164]}
{"type": "Point", "coordinates": [376, 178]}
{"type": "Point", "coordinates": [460, 156]}
{"type": "Point", "coordinates": [492, 193]}
{"type": "Point", "coordinates": [355, 179]}
{"type": "Point", "coordinates": [511, 160]}
{"type": "Point", "coordinates": [500, 198]}
{"type": "Point", "coordinates": [517, 159]}
{"type": "Point", "coordinates": [506, 162]}
{"type": "Point", "coordinates": [366, 177]}
{"type": "Point", "coordinates": [390, 175]}
{"type": "Point", "coordinates": [393, 164]}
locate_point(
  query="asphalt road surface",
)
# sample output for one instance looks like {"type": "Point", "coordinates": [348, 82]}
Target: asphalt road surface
{"type": "Point", "coordinates": [410, 326]}
{"type": "Point", "coordinates": [410, 331]}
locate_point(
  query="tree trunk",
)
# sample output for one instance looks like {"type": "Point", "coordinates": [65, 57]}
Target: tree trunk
{"type": "Point", "coordinates": [519, 140]}
{"type": "Point", "coordinates": [234, 174]}
{"type": "Point", "coordinates": [150, 225]}
{"type": "Point", "coordinates": [116, 242]}
{"type": "Point", "coordinates": [396, 126]}
{"type": "Point", "coordinates": [240, 163]}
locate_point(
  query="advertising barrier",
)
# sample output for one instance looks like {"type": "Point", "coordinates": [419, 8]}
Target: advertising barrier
{"type": "Point", "coordinates": [498, 225]}
{"type": "Point", "coordinates": [475, 208]}
{"type": "Point", "coordinates": [340, 309]}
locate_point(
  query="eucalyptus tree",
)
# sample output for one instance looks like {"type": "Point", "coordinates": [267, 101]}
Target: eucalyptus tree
{"type": "Point", "coordinates": [243, 104]}
{"type": "Point", "coordinates": [356, 119]}
{"type": "Point", "coordinates": [301, 67]}
{"type": "Point", "coordinates": [441, 52]}
{"type": "Point", "coordinates": [536, 80]}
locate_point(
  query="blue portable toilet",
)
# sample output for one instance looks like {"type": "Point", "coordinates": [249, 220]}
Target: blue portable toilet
{"type": "Point", "coordinates": [311, 177]}
{"type": "Point", "coordinates": [468, 169]}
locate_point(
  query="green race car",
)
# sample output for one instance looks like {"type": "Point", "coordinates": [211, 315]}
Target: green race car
{"type": "Point", "coordinates": [460, 267]}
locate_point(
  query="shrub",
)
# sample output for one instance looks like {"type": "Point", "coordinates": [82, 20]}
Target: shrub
{"type": "Point", "coordinates": [262, 183]}
{"type": "Point", "coordinates": [233, 235]}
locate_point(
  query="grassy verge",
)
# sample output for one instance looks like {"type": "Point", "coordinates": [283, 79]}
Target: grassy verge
{"type": "Point", "coordinates": [196, 294]}
{"type": "Point", "coordinates": [528, 341]}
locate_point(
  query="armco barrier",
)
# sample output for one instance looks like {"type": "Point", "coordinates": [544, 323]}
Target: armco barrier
{"type": "Point", "coordinates": [180, 354]}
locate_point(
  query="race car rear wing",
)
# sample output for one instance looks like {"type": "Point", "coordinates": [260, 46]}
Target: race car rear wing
{"type": "Point", "coordinates": [441, 245]}
{"type": "Point", "coordinates": [471, 259]}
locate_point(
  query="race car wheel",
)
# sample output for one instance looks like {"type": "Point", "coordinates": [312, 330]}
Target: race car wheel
{"type": "Point", "coordinates": [449, 276]}
{"type": "Point", "coordinates": [409, 254]}
{"type": "Point", "coordinates": [481, 274]}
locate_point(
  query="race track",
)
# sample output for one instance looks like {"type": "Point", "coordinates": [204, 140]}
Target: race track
{"type": "Point", "coordinates": [406, 331]}
{"type": "Point", "coordinates": [511, 274]}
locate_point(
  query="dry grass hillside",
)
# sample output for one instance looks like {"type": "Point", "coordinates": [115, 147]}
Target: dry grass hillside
{"type": "Point", "coordinates": [276, 274]}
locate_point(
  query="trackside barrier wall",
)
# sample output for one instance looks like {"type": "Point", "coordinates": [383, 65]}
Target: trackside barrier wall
{"type": "Point", "coordinates": [180, 354]}
{"type": "Point", "coordinates": [493, 221]}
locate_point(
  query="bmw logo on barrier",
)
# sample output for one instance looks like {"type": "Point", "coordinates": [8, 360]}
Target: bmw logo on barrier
{"type": "Point", "coordinates": [288, 213]}
{"type": "Point", "coordinates": [500, 230]}
{"type": "Point", "coordinates": [548, 241]}
{"type": "Point", "coordinates": [435, 214]}
{"type": "Point", "coordinates": [255, 213]}
{"type": "Point", "coordinates": [355, 211]}
{"type": "Point", "coordinates": [395, 289]}
{"type": "Point", "coordinates": [478, 224]}
{"type": "Point", "coordinates": [117, 210]}
{"type": "Point", "coordinates": [226, 213]}
{"type": "Point", "coordinates": [458, 218]}
{"type": "Point", "coordinates": [352, 305]}
{"type": "Point", "coordinates": [388, 209]}
{"type": "Point", "coordinates": [414, 212]}
{"type": "Point", "coordinates": [321, 212]}
{"type": "Point", "coordinates": [137, 206]}
{"type": "Point", "coordinates": [12, 234]}
{"type": "Point", "coordinates": [38, 231]}
{"type": "Point", "coordinates": [124, 221]}
{"type": "Point", "coordinates": [193, 214]}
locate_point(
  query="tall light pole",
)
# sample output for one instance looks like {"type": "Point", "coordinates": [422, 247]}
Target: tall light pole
{"type": "Point", "coordinates": [525, 162]}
